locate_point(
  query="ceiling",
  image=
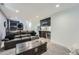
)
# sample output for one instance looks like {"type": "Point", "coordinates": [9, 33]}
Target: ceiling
{"type": "Point", "coordinates": [34, 11]}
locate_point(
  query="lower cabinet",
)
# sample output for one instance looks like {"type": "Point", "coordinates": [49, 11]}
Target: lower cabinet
{"type": "Point", "coordinates": [12, 43]}
{"type": "Point", "coordinates": [45, 34]}
{"type": "Point", "coordinates": [35, 51]}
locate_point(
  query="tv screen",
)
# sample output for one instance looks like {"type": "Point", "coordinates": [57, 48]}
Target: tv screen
{"type": "Point", "coordinates": [45, 22]}
{"type": "Point", "coordinates": [13, 25]}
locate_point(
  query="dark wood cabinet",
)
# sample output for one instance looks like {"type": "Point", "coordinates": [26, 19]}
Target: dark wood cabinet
{"type": "Point", "coordinates": [36, 50]}
{"type": "Point", "coordinates": [44, 34]}
{"type": "Point", "coordinates": [12, 43]}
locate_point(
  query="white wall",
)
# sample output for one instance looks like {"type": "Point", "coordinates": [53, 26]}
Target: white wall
{"type": "Point", "coordinates": [35, 23]}
{"type": "Point", "coordinates": [65, 28]}
{"type": "Point", "coordinates": [2, 28]}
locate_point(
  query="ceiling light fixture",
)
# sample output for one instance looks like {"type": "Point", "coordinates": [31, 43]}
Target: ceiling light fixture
{"type": "Point", "coordinates": [57, 5]}
{"type": "Point", "coordinates": [17, 11]}
{"type": "Point", "coordinates": [12, 9]}
{"type": "Point", "coordinates": [37, 16]}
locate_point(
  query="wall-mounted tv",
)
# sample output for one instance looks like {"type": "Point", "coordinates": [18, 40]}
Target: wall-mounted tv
{"type": "Point", "coordinates": [45, 22]}
{"type": "Point", "coordinates": [13, 24]}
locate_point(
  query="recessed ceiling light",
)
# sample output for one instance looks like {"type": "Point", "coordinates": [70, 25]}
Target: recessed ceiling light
{"type": "Point", "coordinates": [57, 5]}
{"type": "Point", "coordinates": [17, 11]}
{"type": "Point", "coordinates": [37, 16]}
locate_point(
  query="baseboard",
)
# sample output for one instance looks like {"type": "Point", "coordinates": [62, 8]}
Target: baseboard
{"type": "Point", "coordinates": [53, 41]}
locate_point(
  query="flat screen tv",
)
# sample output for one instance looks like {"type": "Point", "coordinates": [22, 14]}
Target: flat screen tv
{"type": "Point", "coordinates": [13, 25]}
{"type": "Point", "coordinates": [45, 22]}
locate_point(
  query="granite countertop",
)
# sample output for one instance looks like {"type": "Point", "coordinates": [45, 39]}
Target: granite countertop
{"type": "Point", "coordinates": [22, 46]}
{"type": "Point", "coordinates": [18, 39]}
{"type": "Point", "coordinates": [28, 45]}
